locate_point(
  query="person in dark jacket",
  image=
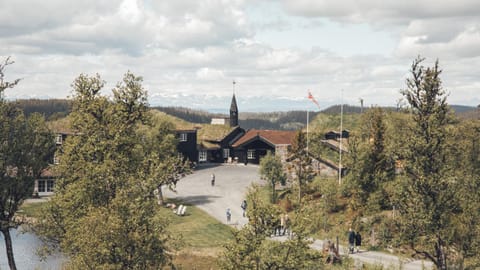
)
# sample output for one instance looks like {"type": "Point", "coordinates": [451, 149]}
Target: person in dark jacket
{"type": "Point", "coordinates": [358, 241]}
{"type": "Point", "coordinates": [351, 240]}
{"type": "Point", "coordinates": [244, 207]}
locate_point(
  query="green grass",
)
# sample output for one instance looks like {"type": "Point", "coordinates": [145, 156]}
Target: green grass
{"type": "Point", "coordinates": [202, 235]}
{"type": "Point", "coordinates": [203, 238]}
{"type": "Point", "coordinates": [199, 230]}
{"type": "Point", "coordinates": [31, 209]}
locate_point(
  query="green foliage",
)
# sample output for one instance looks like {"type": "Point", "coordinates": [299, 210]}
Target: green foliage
{"type": "Point", "coordinates": [467, 152]}
{"type": "Point", "coordinates": [323, 122]}
{"type": "Point", "coordinates": [252, 248]}
{"type": "Point", "coordinates": [371, 165]}
{"type": "Point", "coordinates": [103, 214]}
{"type": "Point", "coordinates": [271, 169]}
{"type": "Point", "coordinates": [300, 163]}
{"type": "Point", "coordinates": [318, 148]}
{"type": "Point", "coordinates": [26, 147]}
{"type": "Point", "coordinates": [430, 198]}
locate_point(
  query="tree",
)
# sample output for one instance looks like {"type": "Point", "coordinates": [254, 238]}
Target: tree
{"type": "Point", "coordinates": [371, 165]}
{"type": "Point", "coordinates": [271, 169]}
{"type": "Point", "coordinates": [166, 166]}
{"type": "Point", "coordinates": [429, 201]}
{"type": "Point", "coordinates": [252, 248]}
{"type": "Point", "coordinates": [300, 163]}
{"type": "Point", "coordinates": [467, 163]}
{"type": "Point", "coordinates": [103, 214]}
{"type": "Point", "coordinates": [26, 146]}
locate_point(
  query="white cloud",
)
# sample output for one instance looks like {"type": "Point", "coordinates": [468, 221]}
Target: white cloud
{"type": "Point", "coordinates": [198, 47]}
{"type": "Point", "coordinates": [209, 74]}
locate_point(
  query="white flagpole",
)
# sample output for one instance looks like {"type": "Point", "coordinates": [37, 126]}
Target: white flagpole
{"type": "Point", "coordinates": [308, 112]}
{"type": "Point", "coordinates": [340, 148]}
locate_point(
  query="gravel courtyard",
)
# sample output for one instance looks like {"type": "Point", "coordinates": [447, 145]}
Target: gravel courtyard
{"type": "Point", "coordinates": [231, 185]}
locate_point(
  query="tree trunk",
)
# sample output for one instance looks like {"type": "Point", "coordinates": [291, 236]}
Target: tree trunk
{"type": "Point", "coordinates": [159, 196]}
{"type": "Point", "coordinates": [274, 195]}
{"type": "Point", "coordinates": [299, 185]}
{"type": "Point", "coordinates": [441, 256]}
{"type": "Point", "coordinates": [9, 249]}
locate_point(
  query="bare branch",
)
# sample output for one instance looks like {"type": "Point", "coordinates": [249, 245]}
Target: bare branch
{"type": "Point", "coordinates": [3, 84]}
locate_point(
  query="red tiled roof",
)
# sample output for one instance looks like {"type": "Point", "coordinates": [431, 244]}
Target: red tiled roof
{"type": "Point", "coordinates": [47, 173]}
{"type": "Point", "coordinates": [274, 137]}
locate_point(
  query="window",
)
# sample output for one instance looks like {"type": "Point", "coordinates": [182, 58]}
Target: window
{"type": "Point", "coordinates": [46, 185]}
{"type": "Point", "coordinates": [50, 185]}
{"type": "Point", "coordinates": [226, 153]}
{"type": "Point", "coordinates": [56, 159]}
{"type": "Point", "coordinates": [41, 185]}
{"type": "Point", "coordinates": [251, 154]}
{"type": "Point", "coordinates": [59, 139]}
{"type": "Point", "coordinates": [202, 155]}
{"type": "Point", "coordinates": [183, 137]}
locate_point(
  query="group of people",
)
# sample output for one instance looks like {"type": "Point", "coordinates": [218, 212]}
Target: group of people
{"type": "Point", "coordinates": [280, 226]}
{"type": "Point", "coordinates": [354, 241]}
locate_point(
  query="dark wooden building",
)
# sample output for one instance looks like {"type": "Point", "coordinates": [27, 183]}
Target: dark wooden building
{"type": "Point", "coordinates": [220, 149]}
{"type": "Point", "coordinates": [187, 144]}
{"type": "Point", "coordinates": [334, 135]}
{"type": "Point", "coordinates": [255, 144]}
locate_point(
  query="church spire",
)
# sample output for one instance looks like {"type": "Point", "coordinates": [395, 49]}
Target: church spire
{"type": "Point", "coordinates": [233, 109]}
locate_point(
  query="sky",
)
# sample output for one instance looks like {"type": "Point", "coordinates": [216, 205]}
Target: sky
{"type": "Point", "coordinates": [190, 52]}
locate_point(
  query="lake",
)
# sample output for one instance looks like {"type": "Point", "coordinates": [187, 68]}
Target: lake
{"type": "Point", "coordinates": [24, 248]}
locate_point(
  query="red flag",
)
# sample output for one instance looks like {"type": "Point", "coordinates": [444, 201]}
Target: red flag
{"type": "Point", "coordinates": [310, 96]}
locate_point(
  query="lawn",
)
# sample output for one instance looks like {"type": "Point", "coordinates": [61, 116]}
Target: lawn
{"type": "Point", "coordinates": [31, 209]}
{"type": "Point", "coordinates": [203, 236]}
{"type": "Point", "coordinates": [199, 230]}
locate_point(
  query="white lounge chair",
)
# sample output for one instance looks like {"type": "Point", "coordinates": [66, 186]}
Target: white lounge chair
{"type": "Point", "coordinates": [183, 210]}
{"type": "Point", "coordinates": [178, 210]}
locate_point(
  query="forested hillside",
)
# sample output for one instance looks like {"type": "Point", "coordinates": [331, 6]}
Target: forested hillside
{"type": "Point", "coordinates": [51, 109]}
{"type": "Point", "coordinates": [190, 115]}
{"type": "Point", "coordinates": [290, 120]}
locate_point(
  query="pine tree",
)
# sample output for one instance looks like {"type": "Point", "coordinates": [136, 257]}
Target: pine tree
{"type": "Point", "coordinates": [429, 201]}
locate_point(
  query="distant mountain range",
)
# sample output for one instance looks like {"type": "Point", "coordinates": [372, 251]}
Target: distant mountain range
{"type": "Point", "coordinates": [285, 120]}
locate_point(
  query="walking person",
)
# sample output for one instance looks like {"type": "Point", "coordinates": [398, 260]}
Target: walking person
{"type": "Point", "coordinates": [282, 225]}
{"type": "Point", "coordinates": [213, 179]}
{"type": "Point", "coordinates": [229, 215]}
{"type": "Point", "coordinates": [286, 224]}
{"type": "Point", "coordinates": [244, 207]}
{"type": "Point", "coordinates": [351, 240]}
{"type": "Point", "coordinates": [358, 241]}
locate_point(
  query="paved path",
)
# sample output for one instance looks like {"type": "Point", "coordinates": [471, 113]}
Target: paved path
{"type": "Point", "coordinates": [231, 185]}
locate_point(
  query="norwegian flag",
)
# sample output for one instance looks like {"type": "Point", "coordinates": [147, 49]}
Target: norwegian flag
{"type": "Point", "coordinates": [310, 96]}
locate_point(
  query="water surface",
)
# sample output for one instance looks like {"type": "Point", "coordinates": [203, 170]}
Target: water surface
{"type": "Point", "coordinates": [24, 251]}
